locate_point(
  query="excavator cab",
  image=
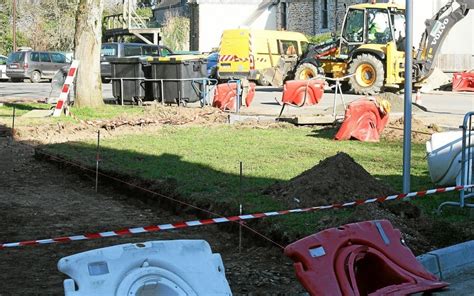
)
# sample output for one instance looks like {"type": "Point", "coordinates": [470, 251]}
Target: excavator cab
{"type": "Point", "coordinates": [372, 38]}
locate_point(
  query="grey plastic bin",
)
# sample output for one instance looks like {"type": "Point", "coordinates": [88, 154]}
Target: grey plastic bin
{"type": "Point", "coordinates": [179, 67]}
{"type": "Point", "coordinates": [133, 90]}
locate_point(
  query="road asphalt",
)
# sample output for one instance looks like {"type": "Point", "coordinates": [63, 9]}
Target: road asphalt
{"type": "Point", "coordinates": [446, 109]}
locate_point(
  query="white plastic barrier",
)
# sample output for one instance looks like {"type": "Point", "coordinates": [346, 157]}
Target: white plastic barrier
{"type": "Point", "coordinates": [444, 157]}
{"type": "Point", "coordinates": [178, 267]}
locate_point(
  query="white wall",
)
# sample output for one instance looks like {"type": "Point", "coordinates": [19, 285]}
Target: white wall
{"type": "Point", "coordinates": [215, 16]}
{"type": "Point", "coordinates": [457, 52]}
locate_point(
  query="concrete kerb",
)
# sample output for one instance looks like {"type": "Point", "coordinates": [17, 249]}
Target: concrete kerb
{"type": "Point", "coordinates": [449, 261]}
{"type": "Point", "coordinates": [234, 118]}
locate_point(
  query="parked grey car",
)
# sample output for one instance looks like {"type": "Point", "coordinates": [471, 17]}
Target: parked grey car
{"type": "Point", "coordinates": [113, 50]}
{"type": "Point", "coordinates": [34, 65]}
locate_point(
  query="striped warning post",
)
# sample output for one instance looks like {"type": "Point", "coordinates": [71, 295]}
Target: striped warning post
{"type": "Point", "coordinates": [187, 224]}
{"type": "Point", "coordinates": [66, 88]}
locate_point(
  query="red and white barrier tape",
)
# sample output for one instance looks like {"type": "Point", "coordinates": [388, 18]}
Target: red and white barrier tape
{"type": "Point", "coordinates": [186, 224]}
{"type": "Point", "coordinates": [66, 88]}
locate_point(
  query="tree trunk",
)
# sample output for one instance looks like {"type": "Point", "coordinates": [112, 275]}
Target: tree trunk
{"type": "Point", "coordinates": [87, 43]}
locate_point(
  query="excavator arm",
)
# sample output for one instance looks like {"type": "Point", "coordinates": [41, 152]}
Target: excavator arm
{"type": "Point", "coordinates": [437, 28]}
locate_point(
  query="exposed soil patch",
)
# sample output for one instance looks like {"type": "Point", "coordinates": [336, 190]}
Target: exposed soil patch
{"type": "Point", "coordinates": [339, 179]}
{"type": "Point", "coordinates": [155, 118]}
{"type": "Point", "coordinates": [421, 132]}
{"type": "Point", "coordinates": [39, 200]}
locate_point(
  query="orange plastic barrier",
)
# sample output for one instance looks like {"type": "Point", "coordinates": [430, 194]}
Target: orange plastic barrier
{"type": "Point", "coordinates": [226, 93]}
{"type": "Point", "coordinates": [249, 99]}
{"type": "Point", "coordinates": [303, 92]}
{"type": "Point", "coordinates": [463, 81]}
{"type": "Point", "coordinates": [362, 121]}
{"type": "Point", "coordinates": [365, 258]}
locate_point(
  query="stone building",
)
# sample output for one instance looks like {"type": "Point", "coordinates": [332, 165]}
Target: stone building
{"type": "Point", "coordinates": [313, 17]}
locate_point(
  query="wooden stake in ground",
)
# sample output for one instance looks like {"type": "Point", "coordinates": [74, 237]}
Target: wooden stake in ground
{"type": "Point", "coordinates": [87, 44]}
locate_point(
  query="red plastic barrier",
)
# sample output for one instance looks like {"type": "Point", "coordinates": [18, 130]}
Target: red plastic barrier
{"type": "Point", "coordinates": [463, 81]}
{"type": "Point", "coordinates": [362, 121]}
{"type": "Point", "coordinates": [226, 93]}
{"type": "Point", "coordinates": [249, 99]}
{"type": "Point", "coordinates": [365, 258]}
{"type": "Point", "coordinates": [303, 92]}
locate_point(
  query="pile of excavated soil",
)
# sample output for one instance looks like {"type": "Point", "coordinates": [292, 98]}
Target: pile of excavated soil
{"type": "Point", "coordinates": [339, 179]}
{"type": "Point", "coordinates": [421, 132]}
{"type": "Point", "coordinates": [151, 120]}
{"type": "Point", "coordinates": [336, 179]}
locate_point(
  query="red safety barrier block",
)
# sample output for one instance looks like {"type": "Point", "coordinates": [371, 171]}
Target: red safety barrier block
{"type": "Point", "coordinates": [251, 94]}
{"type": "Point", "coordinates": [226, 94]}
{"type": "Point", "coordinates": [463, 81]}
{"type": "Point", "coordinates": [365, 258]}
{"type": "Point", "coordinates": [363, 121]}
{"type": "Point", "coordinates": [303, 92]}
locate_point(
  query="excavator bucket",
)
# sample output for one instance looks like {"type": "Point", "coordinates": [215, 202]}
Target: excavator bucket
{"type": "Point", "coordinates": [364, 121]}
{"type": "Point", "coordinates": [365, 258]}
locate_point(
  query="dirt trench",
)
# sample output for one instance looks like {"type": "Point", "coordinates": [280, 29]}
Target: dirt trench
{"type": "Point", "coordinates": [38, 200]}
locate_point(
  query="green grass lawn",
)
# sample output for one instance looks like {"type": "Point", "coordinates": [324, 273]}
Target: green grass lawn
{"type": "Point", "coordinates": [105, 112]}
{"type": "Point", "coordinates": [205, 162]}
{"type": "Point", "coordinates": [6, 109]}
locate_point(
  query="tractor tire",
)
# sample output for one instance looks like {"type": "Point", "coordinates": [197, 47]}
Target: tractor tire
{"type": "Point", "coordinates": [35, 77]}
{"type": "Point", "coordinates": [306, 71]}
{"type": "Point", "coordinates": [369, 75]}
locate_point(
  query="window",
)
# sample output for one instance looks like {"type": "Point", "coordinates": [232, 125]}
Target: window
{"type": "Point", "coordinates": [288, 47]}
{"type": "Point", "coordinates": [378, 26]}
{"type": "Point", "coordinates": [398, 21]}
{"type": "Point", "coordinates": [58, 58]}
{"type": "Point", "coordinates": [151, 51]}
{"type": "Point", "coordinates": [44, 57]}
{"type": "Point", "coordinates": [108, 50]}
{"type": "Point", "coordinates": [165, 52]}
{"type": "Point", "coordinates": [35, 57]}
{"type": "Point", "coordinates": [16, 57]}
{"type": "Point", "coordinates": [3, 61]}
{"type": "Point", "coordinates": [354, 26]}
{"type": "Point", "coordinates": [324, 14]}
{"type": "Point", "coordinates": [132, 50]}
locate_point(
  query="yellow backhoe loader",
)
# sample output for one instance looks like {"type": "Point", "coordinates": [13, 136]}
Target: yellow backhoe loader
{"type": "Point", "coordinates": [372, 43]}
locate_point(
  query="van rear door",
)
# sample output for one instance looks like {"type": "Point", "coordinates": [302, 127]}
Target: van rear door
{"type": "Point", "coordinates": [234, 54]}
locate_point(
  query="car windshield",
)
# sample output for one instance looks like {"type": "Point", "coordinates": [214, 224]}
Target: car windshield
{"type": "Point", "coordinates": [109, 50]}
{"type": "Point", "coordinates": [16, 57]}
{"type": "Point", "coordinates": [151, 51]}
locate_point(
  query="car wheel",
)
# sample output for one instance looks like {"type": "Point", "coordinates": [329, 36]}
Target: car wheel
{"type": "Point", "coordinates": [35, 77]}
